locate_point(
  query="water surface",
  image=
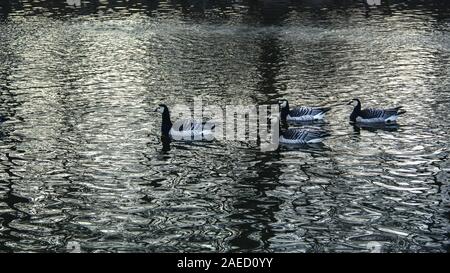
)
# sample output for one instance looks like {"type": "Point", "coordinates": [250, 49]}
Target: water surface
{"type": "Point", "coordinates": [81, 159]}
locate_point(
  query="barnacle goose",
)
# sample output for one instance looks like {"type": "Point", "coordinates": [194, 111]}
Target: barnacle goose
{"type": "Point", "coordinates": [301, 114]}
{"type": "Point", "coordinates": [374, 115]}
{"type": "Point", "coordinates": [293, 136]}
{"type": "Point", "coordinates": [184, 129]}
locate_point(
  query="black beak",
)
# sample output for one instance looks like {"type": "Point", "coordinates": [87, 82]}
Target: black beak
{"type": "Point", "coordinates": [350, 102]}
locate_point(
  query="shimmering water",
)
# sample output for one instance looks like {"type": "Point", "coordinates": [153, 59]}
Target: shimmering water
{"type": "Point", "coordinates": [81, 161]}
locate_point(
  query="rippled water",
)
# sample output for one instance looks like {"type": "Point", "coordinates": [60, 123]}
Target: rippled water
{"type": "Point", "coordinates": [81, 161]}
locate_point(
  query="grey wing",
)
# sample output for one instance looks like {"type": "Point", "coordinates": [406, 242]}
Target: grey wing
{"type": "Point", "coordinates": [304, 135]}
{"type": "Point", "coordinates": [302, 111]}
{"type": "Point", "coordinates": [394, 111]}
{"type": "Point", "coordinates": [373, 113]}
{"type": "Point", "coordinates": [308, 111]}
{"type": "Point", "coordinates": [293, 134]}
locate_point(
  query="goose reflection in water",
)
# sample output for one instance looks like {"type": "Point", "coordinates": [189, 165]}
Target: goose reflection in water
{"type": "Point", "coordinates": [375, 127]}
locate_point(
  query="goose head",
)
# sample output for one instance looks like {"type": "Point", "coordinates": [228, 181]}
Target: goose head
{"type": "Point", "coordinates": [283, 104]}
{"type": "Point", "coordinates": [354, 102]}
{"type": "Point", "coordinates": [356, 110]}
{"type": "Point", "coordinates": [162, 108]}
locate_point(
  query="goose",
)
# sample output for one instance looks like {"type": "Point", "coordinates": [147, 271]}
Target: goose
{"type": "Point", "coordinates": [292, 136]}
{"type": "Point", "coordinates": [374, 115]}
{"type": "Point", "coordinates": [184, 129]}
{"type": "Point", "coordinates": [302, 136]}
{"type": "Point", "coordinates": [302, 113]}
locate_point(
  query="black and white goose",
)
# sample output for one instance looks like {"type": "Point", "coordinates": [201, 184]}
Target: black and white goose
{"type": "Point", "coordinates": [302, 113]}
{"type": "Point", "coordinates": [302, 136]}
{"type": "Point", "coordinates": [293, 136]}
{"type": "Point", "coordinates": [184, 129]}
{"type": "Point", "coordinates": [374, 115]}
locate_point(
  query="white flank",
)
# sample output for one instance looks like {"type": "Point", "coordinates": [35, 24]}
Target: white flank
{"type": "Point", "coordinates": [315, 140]}
{"type": "Point", "coordinates": [290, 141]}
{"type": "Point", "coordinates": [390, 119]}
{"type": "Point", "coordinates": [189, 134]}
{"type": "Point", "coordinates": [301, 118]}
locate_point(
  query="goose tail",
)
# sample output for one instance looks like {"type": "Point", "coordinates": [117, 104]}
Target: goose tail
{"type": "Point", "coordinates": [396, 111]}
{"type": "Point", "coordinates": [401, 111]}
{"type": "Point", "coordinates": [321, 112]}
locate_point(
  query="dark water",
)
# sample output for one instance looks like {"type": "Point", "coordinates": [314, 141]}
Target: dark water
{"type": "Point", "coordinates": [81, 162]}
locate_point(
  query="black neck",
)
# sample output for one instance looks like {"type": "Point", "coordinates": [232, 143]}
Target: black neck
{"type": "Point", "coordinates": [285, 112]}
{"type": "Point", "coordinates": [356, 112]}
{"type": "Point", "coordinates": [166, 124]}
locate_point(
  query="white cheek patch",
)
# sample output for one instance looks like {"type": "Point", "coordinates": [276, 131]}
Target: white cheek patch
{"type": "Point", "coordinates": [283, 104]}
{"type": "Point", "coordinates": [160, 109]}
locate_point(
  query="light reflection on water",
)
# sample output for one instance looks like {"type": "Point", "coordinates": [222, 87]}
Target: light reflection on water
{"type": "Point", "coordinates": [80, 154]}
